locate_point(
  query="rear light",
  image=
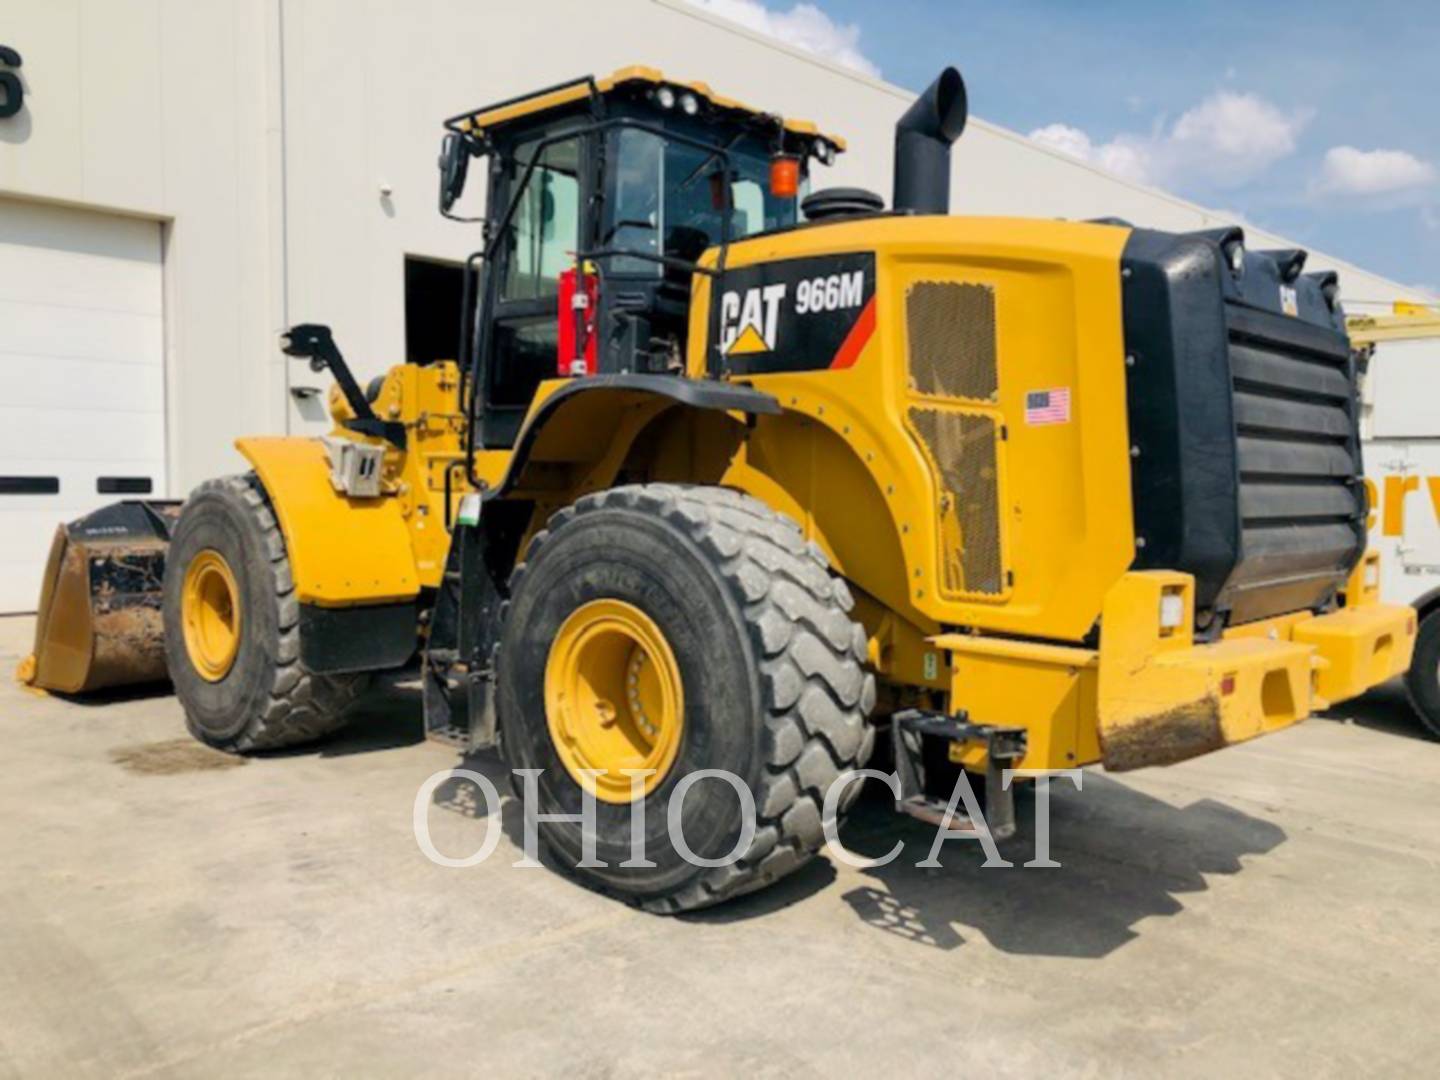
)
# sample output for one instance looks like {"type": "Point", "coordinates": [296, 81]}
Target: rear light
{"type": "Point", "coordinates": [1172, 610]}
{"type": "Point", "coordinates": [784, 176]}
{"type": "Point", "coordinates": [1227, 685]}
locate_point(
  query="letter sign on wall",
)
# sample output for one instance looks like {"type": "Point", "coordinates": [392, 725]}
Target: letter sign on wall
{"type": "Point", "coordinates": [12, 94]}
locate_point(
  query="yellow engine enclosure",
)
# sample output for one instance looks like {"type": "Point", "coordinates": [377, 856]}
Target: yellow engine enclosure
{"type": "Point", "coordinates": [845, 460]}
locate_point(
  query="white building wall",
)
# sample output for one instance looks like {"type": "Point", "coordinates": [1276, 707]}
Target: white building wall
{"type": "Point", "coordinates": [158, 108]}
{"type": "Point", "coordinates": [261, 133]}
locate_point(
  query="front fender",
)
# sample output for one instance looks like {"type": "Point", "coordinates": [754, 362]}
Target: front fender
{"type": "Point", "coordinates": [344, 552]}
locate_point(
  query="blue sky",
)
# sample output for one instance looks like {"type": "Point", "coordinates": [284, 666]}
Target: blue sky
{"type": "Point", "coordinates": [1276, 112]}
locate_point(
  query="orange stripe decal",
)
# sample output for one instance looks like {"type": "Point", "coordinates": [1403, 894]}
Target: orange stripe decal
{"type": "Point", "coordinates": [855, 341]}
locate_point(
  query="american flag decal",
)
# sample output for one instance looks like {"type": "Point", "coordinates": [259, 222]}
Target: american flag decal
{"type": "Point", "coordinates": [1048, 406]}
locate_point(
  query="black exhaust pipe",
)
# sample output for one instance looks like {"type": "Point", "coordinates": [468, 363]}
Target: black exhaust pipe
{"type": "Point", "coordinates": [922, 145]}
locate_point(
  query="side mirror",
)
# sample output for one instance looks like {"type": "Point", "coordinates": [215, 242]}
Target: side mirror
{"type": "Point", "coordinates": [454, 165]}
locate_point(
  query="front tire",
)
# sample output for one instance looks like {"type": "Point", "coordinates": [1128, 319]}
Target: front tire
{"type": "Point", "coordinates": [232, 627]}
{"type": "Point", "coordinates": [1422, 681]}
{"type": "Point", "coordinates": [769, 670]}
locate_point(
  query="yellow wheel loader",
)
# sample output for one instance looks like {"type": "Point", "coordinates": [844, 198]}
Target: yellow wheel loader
{"type": "Point", "coordinates": [729, 475]}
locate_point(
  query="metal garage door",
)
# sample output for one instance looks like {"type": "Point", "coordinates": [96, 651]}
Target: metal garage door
{"type": "Point", "coordinates": [82, 409]}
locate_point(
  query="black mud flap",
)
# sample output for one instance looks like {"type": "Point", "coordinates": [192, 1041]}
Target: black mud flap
{"type": "Point", "coordinates": [336, 641]}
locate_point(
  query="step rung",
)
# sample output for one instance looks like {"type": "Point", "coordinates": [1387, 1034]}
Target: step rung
{"type": "Point", "coordinates": [450, 735]}
{"type": "Point", "coordinates": [932, 812]}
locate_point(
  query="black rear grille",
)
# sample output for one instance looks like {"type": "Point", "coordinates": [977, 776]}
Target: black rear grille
{"type": "Point", "coordinates": [1245, 458]}
{"type": "Point", "coordinates": [1297, 453]}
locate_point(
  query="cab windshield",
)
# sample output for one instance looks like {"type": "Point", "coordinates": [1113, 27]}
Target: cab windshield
{"type": "Point", "coordinates": [668, 198]}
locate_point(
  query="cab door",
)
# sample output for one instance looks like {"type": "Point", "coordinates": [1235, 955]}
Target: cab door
{"type": "Point", "coordinates": [520, 331]}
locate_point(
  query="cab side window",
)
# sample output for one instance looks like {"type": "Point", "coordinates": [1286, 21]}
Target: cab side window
{"type": "Point", "coordinates": [546, 225]}
{"type": "Point", "coordinates": [543, 237]}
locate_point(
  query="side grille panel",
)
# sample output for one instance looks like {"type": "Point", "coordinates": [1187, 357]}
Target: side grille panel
{"type": "Point", "coordinates": [1268, 501]}
{"type": "Point", "coordinates": [1276, 458]}
{"type": "Point", "coordinates": [1258, 367]}
{"type": "Point", "coordinates": [962, 447]}
{"type": "Point", "coordinates": [951, 327]}
{"type": "Point", "coordinates": [1246, 466]}
{"type": "Point", "coordinates": [1298, 457]}
{"type": "Point", "coordinates": [1259, 415]}
{"type": "Point", "coordinates": [1285, 550]}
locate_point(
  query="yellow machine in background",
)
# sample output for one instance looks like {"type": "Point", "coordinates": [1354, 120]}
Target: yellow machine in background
{"type": "Point", "coordinates": [715, 486]}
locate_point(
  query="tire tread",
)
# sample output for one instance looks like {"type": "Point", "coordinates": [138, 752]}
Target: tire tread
{"type": "Point", "coordinates": [302, 707]}
{"type": "Point", "coordinates": [1422, 681]}
{"type": "Point", "coordinates": [815, 689]}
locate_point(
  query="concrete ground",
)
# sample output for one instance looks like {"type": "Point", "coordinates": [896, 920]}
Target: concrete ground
{"type": "Point", "coordinates": [169, 912]}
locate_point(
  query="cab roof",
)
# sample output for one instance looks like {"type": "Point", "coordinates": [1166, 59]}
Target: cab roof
{"type": "Point", "coordinates": [483, 120]}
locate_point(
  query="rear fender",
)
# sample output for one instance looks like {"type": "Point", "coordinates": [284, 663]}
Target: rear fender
{"type": "Point", "coordinates": [585, 421]}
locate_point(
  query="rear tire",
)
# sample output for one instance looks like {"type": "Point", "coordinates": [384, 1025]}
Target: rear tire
{"type": "Point", "coordinates": [1422, 681]}
{"type": "Point", "coordinates": [774, 686]}
{"type": "Point", "coordinates": [262, 699]}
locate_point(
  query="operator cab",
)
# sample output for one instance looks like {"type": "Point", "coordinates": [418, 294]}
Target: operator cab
{"type": "Point", "coordinates": [602, 197]}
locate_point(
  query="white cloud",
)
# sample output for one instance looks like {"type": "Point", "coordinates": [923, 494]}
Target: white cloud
{"type": "Point", "coordinates": [1066, 139]}
{"type": "Point", "coordinates": [804, 26]}
{"type": "Point", "coordinates": [1348, 171]}
{"type": "Point", "coordinates": [1240, 129]}
{"type": "Point", "coordinates": [1226, 140]}
{"type": "Point", "coordinates": [1122, 156]}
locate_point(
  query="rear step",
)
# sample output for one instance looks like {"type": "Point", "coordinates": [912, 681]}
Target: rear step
{"type": "Point", "coordinates": [1003, 747]}
{"type": "Point", "coordinates": [459, 708]}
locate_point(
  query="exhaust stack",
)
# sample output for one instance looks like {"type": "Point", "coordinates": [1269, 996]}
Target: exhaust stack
{"type": "Point", "coordinates": [922, 145]}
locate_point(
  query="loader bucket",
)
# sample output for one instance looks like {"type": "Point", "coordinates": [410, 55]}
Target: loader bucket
{"type": "Point", "coordinates": [99, 621]}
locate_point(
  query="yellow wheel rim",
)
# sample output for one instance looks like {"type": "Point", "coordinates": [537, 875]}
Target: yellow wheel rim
{"type": "Point", "coordinates": [210, 612]}
{"type": "Point", "coordinates": [613, 698]}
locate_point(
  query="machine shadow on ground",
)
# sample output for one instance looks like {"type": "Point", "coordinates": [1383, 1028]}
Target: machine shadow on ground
{"type": "Point", "coordinates": [388, 717]}
{"type": "Point", "coordinates": [114, 695]}
{"type": "Point", "coordinates": [1125, 856]}
{"type": "Point", "coordinates": [1385, 709]}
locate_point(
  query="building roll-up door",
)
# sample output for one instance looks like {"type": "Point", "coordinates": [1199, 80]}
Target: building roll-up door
{"type": "Point", "coordinates": [82, 413]}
